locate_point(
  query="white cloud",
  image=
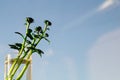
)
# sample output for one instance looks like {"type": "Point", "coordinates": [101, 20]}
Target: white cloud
{"type": "Point", "coordinates": [83, 18]}
{"type": "Point", "coordinates": [108, 4]}
{"type": "Point", "coordinates": [79, 21]}
{"type": "Point", "coordinates": [104, 57]}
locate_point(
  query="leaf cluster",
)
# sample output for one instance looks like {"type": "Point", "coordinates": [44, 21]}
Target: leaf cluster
{"type": "Point", "coordinates": [32, 37]}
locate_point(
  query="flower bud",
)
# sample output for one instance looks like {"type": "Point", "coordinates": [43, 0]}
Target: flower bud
{"type": "Point", "coordinates": [47, 22]}
{"type": "Point", "coordinates": [29, 20]}
{"type": "Point", "coordinates": [39, 29]}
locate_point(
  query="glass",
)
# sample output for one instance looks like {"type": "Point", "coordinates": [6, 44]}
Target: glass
{"type": "Point", "coordinates": [9, 61]}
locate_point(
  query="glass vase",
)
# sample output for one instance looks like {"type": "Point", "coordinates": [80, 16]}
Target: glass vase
{"type": "Point", "coordinates": [9, 60]}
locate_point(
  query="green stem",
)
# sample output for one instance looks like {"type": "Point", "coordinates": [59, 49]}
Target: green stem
{"type": "Point", "coordinates": [25, 67]}
{"type": "Point", "coordinates": [21, 59]}
{"type": "Point", "coordinates": [44, 30]}
{"type": "Point", "coordinates": [27, 64]}
{"type": "Point", "coordinates": [10, 75]}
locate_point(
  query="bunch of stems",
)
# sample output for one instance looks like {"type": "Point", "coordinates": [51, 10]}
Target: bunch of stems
{"type": "Point", "coordinates": [27, 49]}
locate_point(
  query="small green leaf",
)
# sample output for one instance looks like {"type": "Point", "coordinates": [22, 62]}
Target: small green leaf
{"type": "Point", "coordinates": [14, 47]}
{"type": "Point", "coordinates": [30, 36]}
{"type": "Point", "coordinates": [29, 30]}
{"type": "Point", "coordinates": [19, 45]}
{"type": "Point", "coordinates": [28, 42]}
{"type": "Point", "coordinates": [40, 52]}
{"type": "Point", "coordinates": [46, 35]}
{"type": "Point", "coordinates": [30, 48]}
{"type": "Point", "coordinates": [36, 35]}
{"type": "Point", "coordinates": [46, 39]}
{"type": "Point", "coordinates": [20, 34]}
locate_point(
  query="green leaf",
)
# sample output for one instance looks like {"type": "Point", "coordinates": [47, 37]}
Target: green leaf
{"type": "Point", "coordinates": [40, 52]}
{"type": "Point", "coordinates": [46, 39]}
{"type": "Point", "coordinates": [18, 44]}
{"type": "Point", "coordinates": [36, 35]}
{"type": "Point", "coordinates": [14, 47]}
{"type": "Point", "coordinates": [46, 35]}
{"type": "Point", "coordinates": [28, 42]}
{"type": "Point", "coordinates": [29, 30]}
{"type": "Point", "coordinates": [20, 34]}
{"type": "Point", "coordinates": [30, 48]}
{"type": "Point", "coordinates": [30, 36]}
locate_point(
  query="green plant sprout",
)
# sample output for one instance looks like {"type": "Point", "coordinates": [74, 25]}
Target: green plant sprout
{"type": "Point", "coordinates": [29, 46]}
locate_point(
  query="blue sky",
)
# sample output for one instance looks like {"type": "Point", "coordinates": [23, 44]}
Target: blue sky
{"type": "Point", "coordinates": [85, 37]}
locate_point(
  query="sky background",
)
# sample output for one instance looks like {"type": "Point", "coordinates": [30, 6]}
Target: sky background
{"type": "Point", "coordinates": [85, 37]}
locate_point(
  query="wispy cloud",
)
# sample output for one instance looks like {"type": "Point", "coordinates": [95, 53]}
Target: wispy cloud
{"type": "Point", "coordinates": [108, 4]}
{"type": "Point", "coordinates": [104, 57]}
{"type": "Point", "coordinates": [80, 20]}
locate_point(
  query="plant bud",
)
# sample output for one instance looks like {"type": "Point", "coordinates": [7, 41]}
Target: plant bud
{"type": "Point", "coordinates": [29, 20]}
{"type": "Point", "coordinates": [47, 22]}
{"type": "Point", "coordinates": [39, 29]}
